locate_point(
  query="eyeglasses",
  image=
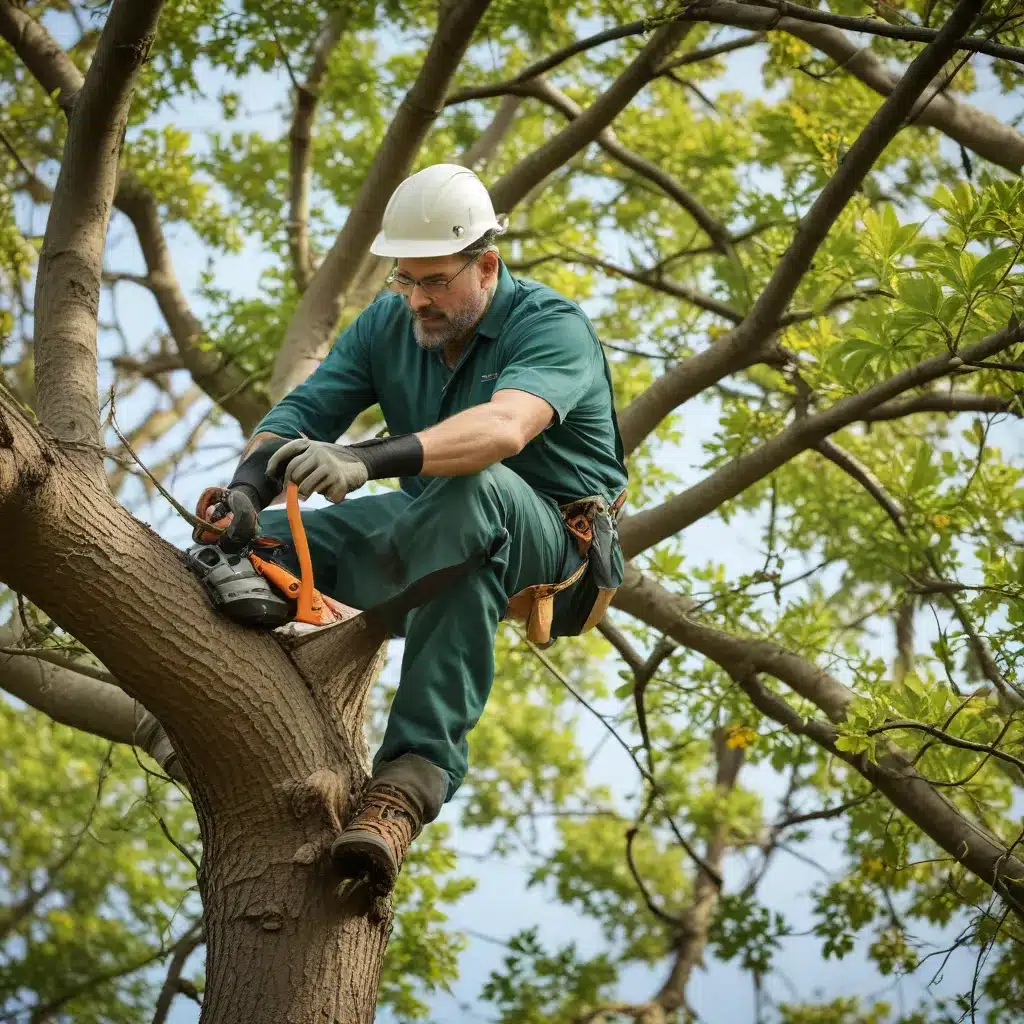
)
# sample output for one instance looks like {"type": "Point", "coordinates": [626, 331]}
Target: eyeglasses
{"type": "Point", "coordinates": [433, 285]}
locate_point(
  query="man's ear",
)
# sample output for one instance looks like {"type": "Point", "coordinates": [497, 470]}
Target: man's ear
{"type": "Point", "coordinates": [488, 268]}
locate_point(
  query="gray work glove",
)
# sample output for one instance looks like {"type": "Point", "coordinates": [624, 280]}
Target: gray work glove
{"type": "Point", "coordinates": [332, 470]}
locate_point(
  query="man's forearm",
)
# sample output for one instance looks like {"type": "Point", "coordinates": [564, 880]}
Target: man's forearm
{"type": "Point", "coordinates": [470, 441]}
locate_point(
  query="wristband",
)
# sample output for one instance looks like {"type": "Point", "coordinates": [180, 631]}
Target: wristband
{"type": "Point", "coordinates": [251, 475]}
{"type": "Point", "coordinates": [390, 456]}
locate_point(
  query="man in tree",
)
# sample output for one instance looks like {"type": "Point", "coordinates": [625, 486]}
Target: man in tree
{"type": "Point", "coordinates": [502, 431]}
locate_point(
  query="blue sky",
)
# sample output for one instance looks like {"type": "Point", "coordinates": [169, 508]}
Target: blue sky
{"type": "Point", "coordinates": [501, 905]}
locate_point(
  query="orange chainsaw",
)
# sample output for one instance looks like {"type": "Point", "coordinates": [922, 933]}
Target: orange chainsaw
{"type": "Point", "coordinates": [246, 577]}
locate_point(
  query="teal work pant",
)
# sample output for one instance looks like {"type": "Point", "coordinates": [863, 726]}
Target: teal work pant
{"type": "Point", "coordinates": [441, 567]}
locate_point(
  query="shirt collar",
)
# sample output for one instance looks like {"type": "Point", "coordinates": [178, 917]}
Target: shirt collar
{"type": "Point", "coordinates": [501, 302]}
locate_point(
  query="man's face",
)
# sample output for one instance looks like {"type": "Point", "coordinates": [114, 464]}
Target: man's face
{"type": "Point", "coordinates": [442, 315]}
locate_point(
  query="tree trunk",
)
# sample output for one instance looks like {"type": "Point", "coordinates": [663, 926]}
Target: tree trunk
{"type": "Point", "coordinates": [269, 733]}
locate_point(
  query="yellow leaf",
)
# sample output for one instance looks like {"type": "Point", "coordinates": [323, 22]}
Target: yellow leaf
{"type": "Point", "coordinates": [941, 520]}
{"type": "Point", "coordinates": [740, 736]}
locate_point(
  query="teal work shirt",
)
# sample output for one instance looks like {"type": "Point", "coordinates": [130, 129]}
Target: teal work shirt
{"type": "Point", "coordinates": [530, 339]}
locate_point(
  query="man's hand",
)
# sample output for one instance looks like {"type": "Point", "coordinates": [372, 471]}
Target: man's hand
{"type": "Point", "coordinates": [332, 470]}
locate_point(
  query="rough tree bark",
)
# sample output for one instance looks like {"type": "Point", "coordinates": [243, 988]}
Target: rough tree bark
{"type": "Point", "coordinates": [270, 741]}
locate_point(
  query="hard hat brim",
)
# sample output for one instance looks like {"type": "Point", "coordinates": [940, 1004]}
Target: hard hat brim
{"type": "Point", "coordinates": [412, 248]}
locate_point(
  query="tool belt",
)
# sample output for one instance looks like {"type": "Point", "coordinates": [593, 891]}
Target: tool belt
{"type": "Point", "coordinates": [592, 523]}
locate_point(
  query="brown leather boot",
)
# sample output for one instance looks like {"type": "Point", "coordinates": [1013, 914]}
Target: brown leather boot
{"type": "Point", "coordinates": [401, 798]}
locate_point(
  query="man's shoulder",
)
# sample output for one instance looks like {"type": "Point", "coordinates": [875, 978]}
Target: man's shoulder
{"type": "Point", "coordinates": [537, 302]}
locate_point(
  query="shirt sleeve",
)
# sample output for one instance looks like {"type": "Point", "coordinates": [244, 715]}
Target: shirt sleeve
{"type": "Point", "coordinates": [552, 356]}
{"type": "Point", "coordinates": [324, 405]}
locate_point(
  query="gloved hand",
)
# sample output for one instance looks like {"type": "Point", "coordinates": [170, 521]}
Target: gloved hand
{"type": "Point", "coordinates": [332, 470]}
{"type": "Point", "coordinates": [233, 511]}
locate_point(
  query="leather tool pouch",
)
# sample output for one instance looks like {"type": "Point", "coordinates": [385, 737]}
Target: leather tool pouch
{"type": "Point", "coordinates": [592, 523]}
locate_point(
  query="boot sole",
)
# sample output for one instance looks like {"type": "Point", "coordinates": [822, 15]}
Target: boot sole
{"type": "Point", "coordinates": [365, 854]}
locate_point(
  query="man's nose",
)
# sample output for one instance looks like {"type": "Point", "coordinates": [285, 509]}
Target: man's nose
{"type": "Point", "coordinates": [419, 299]}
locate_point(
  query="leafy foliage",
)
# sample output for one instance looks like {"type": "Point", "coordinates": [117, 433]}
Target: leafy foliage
{"type": "Point", "coordinates": [898, 572]}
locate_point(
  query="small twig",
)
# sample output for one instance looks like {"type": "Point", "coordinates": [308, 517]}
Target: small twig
{"type": "Point", "coordinates": [948, 739]}
{"type": "Point", "coordinates": [179, 508]}
{"type": "Point", "coordinates": [178, 846]}
{"type": "Point", "coordinates": [54, 657]}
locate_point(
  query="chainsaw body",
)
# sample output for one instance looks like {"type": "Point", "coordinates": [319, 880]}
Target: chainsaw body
{"type": "Point", "coordinates": [256, 590]}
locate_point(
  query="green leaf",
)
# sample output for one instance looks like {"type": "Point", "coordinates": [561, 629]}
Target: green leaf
{"type": "Point", "coordinates": [920, 292]}
{"type": "Point", "coordinates": [853, 744]}
{"type": "Point", "coordinates": [989, 268]}
{"type": "Point", "coordinates": [924, 473]}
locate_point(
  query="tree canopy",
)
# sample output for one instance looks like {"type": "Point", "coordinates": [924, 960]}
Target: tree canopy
{"type": "Point", "coordinates": [799, 233]}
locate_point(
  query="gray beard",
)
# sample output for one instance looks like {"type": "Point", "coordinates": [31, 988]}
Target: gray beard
{"type": "Point", "coordinates": [457, 326]}
{"type": "Point", "coordinates": [453, 328]}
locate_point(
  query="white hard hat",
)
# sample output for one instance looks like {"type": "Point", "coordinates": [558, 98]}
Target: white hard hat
{"type": "Point", "coordinates": [436, 212]}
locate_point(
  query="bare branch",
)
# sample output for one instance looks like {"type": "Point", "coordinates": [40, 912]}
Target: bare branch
{"type": "Point", "coordinates": [708, 52]}
{"type": "Point", "coordinates": [655, 281]}
{"type": "Point", "coordinates": [309, 332]}
{"type": "Point", "coordinates": [510, 189]}
{"type": "Point", "coordinates": [73, 695]}
{"type": "Point", "coordinates": [151, 429]}
{"type": "Point", "coordinates": [150, 366]}
{"type": "Point", "coordinates": [300, 135]}
{"type": "Point", "coordinates": [621, 643]}
{"type": "Point", "coordinates": [183, 949]}
{"type": "Point", "coordinates": [647, 528]}
{"type": "Point", "coordinates": [49, 64]}
{"type": "Point", "coordinates": [948, 738]}
{"type": "Point", "coordinates": [893, 774]}
{"type": "Point", "coordinates": [480, 153]}
{"type": "Point", "coordinates": [949, 402]}
{"type": "Point", "coordinates": [720, 11]}
{"type": "Point", "coordinates": [857, 163]}
{"type": "Point", "coordinates": [697, 919]}
{"type": "Point", "coordinates": [71, 258]}
{"type": "Point", "coordinates": [224, 383]}
{"type": "Point", "coordinates": [542, 89]}
{"type": "Point", "coordinates": [37, 188]}
{"type": "Point", "coordinates": [540, 67]}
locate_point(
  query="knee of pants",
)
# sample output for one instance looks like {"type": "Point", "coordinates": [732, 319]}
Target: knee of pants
{"type": "Point", "coordinates": [460, 491]}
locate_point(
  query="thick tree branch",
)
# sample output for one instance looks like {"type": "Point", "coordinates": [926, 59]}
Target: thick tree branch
{"type": "Point", "coordinates": [510, 189]}
{"type": "Point", "coordinates": [71, 258]}
{"type": "Point", "coordinates": [224, 383]}
{"type": "Point", "coordinates": [951, 402]}
{"type": "Point", "coordinates": [68, 695]}
{"type": "Point", "coordinates": [540, 88]}
{"type": "Point", "coordinates": [48, 63]}
{"type": "Point", "coordinates": [973, 128]}
{"type": "Point", "coordinates": [647, 528]}
{"type": "Point", "coordinates": [300, 137]}
{"type": "Point", "coordinates": [893, 775]}
{"type": "Point", "coordinates": [489, 142]}
{"type": "Point", "coordinates": [877, 27]}
{"type": "Point", "coordinates": [309, 332]}
{"type": "Point", "coordinates": [183, 949]}
{"type": "Point", "coordinates": [697, 919]}
{"type": "Point", "coordinates": [857, 163]}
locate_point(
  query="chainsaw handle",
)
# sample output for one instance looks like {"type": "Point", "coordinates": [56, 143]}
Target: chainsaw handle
{"type": "Point", "coordinates": [308, 606]}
